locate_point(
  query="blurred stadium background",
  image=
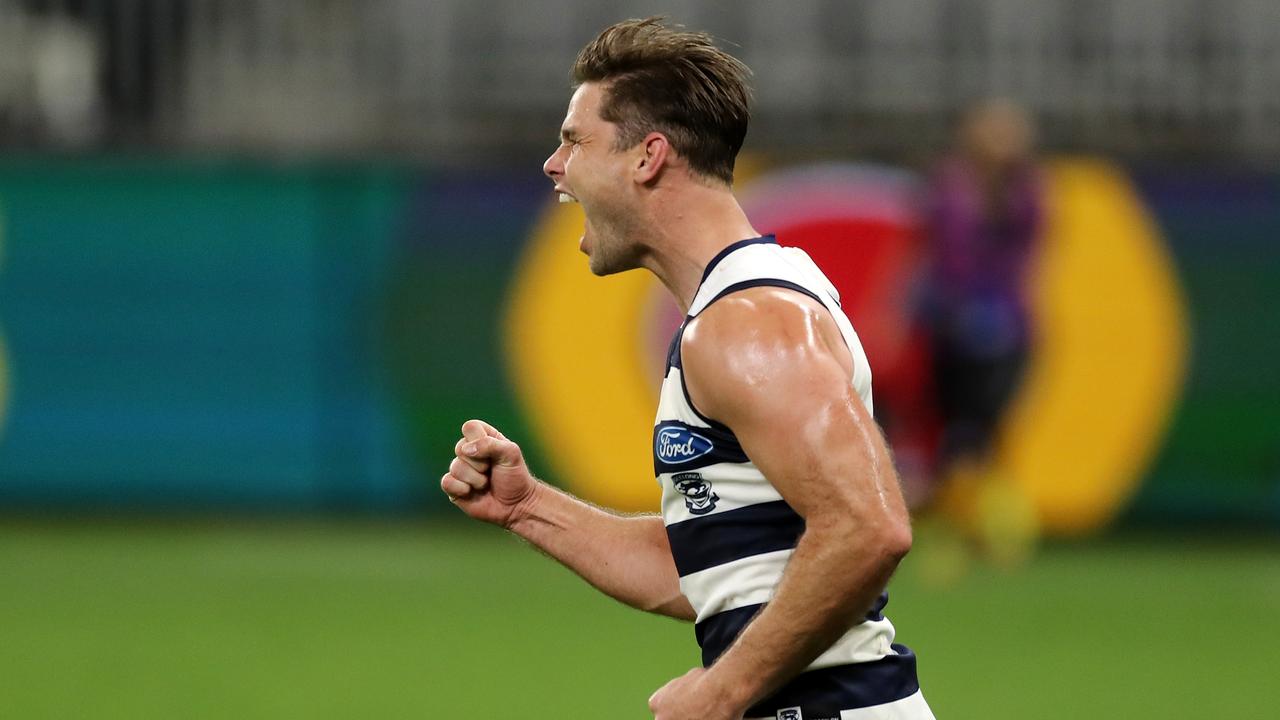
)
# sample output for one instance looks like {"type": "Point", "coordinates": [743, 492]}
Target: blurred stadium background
{"type": "Point", "coordinates": [260, 259]}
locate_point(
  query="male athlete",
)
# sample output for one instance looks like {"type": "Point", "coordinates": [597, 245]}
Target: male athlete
{"type": "Point", "coordinates": [781, 514]}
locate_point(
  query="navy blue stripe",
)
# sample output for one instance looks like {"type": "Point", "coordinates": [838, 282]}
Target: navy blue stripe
{"type": "Point", "coordinates": [684, 388]}
{"type": "Point", "coordinates": [824, 693]}
{"type": "Point", "coordinates": [820, 693]}
{"type": "Point", "coordinates": [764, 282]}
{"type": "Point", "coordinates": [717, 633]}
{"type": "Point", "coordinates": [706, 272]}
{"type": "Point", "coordinates": [876, 613]}
{"type": "Point", "coordinates": [672, 451]}
{"type": "Point", "coordinates": [673, 350]}
{"type": "Point", "coordinates": [705, 542]}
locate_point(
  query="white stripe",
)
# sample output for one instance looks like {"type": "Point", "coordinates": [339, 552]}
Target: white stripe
{"type": "Point", "coordinates": [746, 263]}
{"type": "Point", "coordinates": [864, 642]}
{"type": "Point", "coordinates": [672, 401]}
{"type": "Point", "coordinates": [736, 485]}
{"type": "Point", "coordinates": [911, 707]}
{"type": "Point", "coordinates": [743, 582]}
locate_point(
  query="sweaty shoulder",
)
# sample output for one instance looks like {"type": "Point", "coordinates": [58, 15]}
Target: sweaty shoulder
{"type": "Point", "coordinates": [745, 343]}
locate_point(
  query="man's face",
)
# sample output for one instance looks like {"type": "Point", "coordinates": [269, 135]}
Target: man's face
{"type": "Point", "coordinates": [588, 169]}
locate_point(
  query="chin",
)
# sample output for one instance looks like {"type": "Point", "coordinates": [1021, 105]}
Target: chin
{"type": "Point", "coordinates": [602, 265]}
{"type": "Point", "coordinates": [610, 255]}
{"type": "Point", "coordinates": [600, 268]}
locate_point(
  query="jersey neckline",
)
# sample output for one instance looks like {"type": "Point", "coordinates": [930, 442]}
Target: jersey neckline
{"type": "Point", "coordinates": [725, 252]}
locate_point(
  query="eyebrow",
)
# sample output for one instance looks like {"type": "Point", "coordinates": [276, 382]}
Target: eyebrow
{"type": "Point", "coordinates": [568, 133]}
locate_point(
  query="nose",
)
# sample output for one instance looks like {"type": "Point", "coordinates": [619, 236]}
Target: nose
{"type": "Point", "coordinates": [554, 166]}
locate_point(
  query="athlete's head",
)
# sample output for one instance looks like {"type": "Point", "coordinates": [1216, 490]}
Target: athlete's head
{"type": "Point", "coordinates": [649, 99]}
{"type": "Point", "coordinates": [675, 82]}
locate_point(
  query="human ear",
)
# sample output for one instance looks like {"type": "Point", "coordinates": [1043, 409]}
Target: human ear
{"type": "Point", "coordinates": [653, 157]}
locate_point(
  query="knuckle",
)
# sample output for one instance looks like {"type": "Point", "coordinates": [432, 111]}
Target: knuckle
{"type": "Point", "coordinates": [513, 454]}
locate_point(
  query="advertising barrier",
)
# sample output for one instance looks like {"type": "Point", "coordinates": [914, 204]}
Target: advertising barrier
{"type": "Point", "coordinates": [219, 335]}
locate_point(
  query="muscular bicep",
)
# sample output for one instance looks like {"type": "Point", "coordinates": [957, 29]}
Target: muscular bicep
{"type": "Point", "coordinates": [763, 364]}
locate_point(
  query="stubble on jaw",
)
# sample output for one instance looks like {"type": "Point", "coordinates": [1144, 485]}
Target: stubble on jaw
{"type": "Point", "coordinates": [617, 251]}
{"type": "Point", "coordinates": [618, 242]}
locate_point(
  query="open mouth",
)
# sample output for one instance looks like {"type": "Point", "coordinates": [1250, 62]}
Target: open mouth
{"type": "Point", "coordinates": [567, 198]}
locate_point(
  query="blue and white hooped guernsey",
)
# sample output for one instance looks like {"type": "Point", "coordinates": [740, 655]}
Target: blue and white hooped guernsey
{"type": "Point", "coordinates": [732, 534]}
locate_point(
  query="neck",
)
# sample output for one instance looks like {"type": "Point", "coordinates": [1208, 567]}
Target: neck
{"type": "Point", "coordinates": [689, 225]}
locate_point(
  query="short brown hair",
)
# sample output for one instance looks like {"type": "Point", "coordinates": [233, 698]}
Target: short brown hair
{"type": "Point", "coordinates": [675, 82]}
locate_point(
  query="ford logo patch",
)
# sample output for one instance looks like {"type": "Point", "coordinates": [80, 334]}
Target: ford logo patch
{"type": "Point", "coordinates": [675, 445]}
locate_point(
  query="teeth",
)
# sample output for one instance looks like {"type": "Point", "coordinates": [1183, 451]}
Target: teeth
{"type": "Point", "coordinates": [566, 198]}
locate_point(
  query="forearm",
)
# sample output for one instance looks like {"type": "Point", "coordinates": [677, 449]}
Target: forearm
{"type": "Point", "coordinates": [831, 581]}
{"type": "Point", "coordinates": [626, 558]}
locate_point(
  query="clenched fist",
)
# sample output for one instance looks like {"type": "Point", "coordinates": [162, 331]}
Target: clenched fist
{"type": "Point", "coordinates": [488, 479]}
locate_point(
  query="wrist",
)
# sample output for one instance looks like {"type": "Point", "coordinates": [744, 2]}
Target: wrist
{"type": "Point", "coordinates": [735, 691]}
{"type": "Point", "coordinates": [525, 509]}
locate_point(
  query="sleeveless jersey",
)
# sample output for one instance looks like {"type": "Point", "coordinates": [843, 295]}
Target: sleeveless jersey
{"type": "Point", "coordinates": [732, 534]}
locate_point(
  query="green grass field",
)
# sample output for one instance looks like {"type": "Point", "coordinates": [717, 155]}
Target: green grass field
{"type": "Point", "coordinates": [345, 620]}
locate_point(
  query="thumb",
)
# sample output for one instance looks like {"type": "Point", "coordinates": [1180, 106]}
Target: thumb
{"type": "Point", "coordinates": [473, 430]}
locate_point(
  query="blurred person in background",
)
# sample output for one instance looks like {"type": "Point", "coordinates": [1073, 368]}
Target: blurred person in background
{"type": "Point", "coordinates": [985, 215]}
{"type": "Point", "coordinates": [782, 519]}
